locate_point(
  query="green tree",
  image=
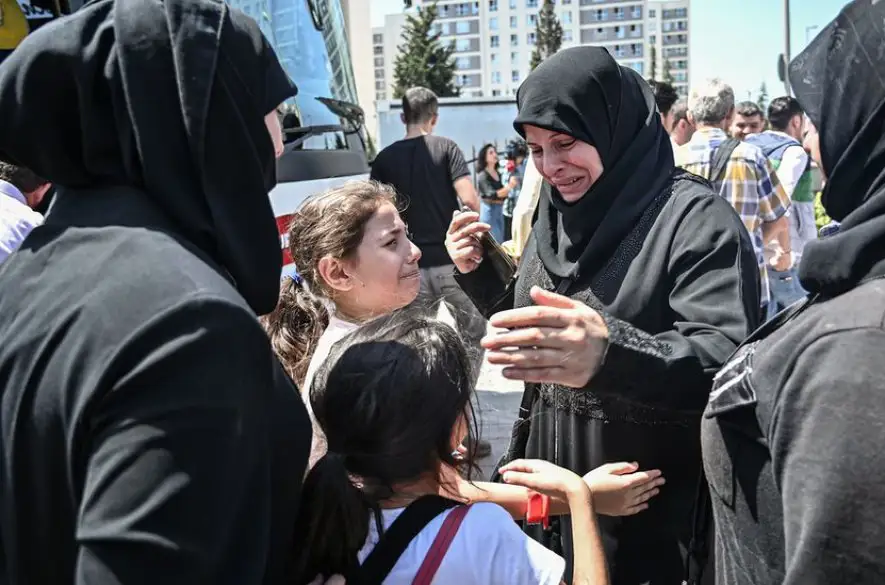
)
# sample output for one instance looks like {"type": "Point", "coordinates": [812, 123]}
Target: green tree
{"type": "Point", "coordinates": [548, 34]}
{"type": "Point", "coordinates": [668, 73]}
{"type": "Point", "coordinates": [422, 60]}
{"type": "Point", "coordinates": [653, 67]}
{"type": "Point", "coordinates": [762, 98]}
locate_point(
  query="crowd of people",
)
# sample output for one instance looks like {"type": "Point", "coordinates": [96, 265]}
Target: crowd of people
{"type": "Point", "coordinates": [701, 368]}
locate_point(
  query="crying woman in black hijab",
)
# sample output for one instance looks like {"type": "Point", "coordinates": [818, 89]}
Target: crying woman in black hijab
{"type": "Point", "coordinates": [637, 283]}
{"type": "Point", "coordinates": [147, 432]}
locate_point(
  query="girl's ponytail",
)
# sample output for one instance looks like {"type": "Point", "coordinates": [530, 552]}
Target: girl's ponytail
{"type": "Point", "coordinates": [295, 326]}
{"type": "Point", "coordinates": [333, 521]}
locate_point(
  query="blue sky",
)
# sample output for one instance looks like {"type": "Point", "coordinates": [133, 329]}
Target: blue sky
{"type": "Point", "coordinates": [738, 40]}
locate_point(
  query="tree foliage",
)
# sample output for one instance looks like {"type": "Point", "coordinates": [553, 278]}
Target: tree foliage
{"type": "Point", "coordinates": [422, 59]}
{"type": "Point", "coordinates": [668, 73]}
{"type": "Point", "coordinates": [762, 98]}
{"type": "Point", "coordinates": [548, 34]}
{"type": "Point", "coordinates": [653, 68]}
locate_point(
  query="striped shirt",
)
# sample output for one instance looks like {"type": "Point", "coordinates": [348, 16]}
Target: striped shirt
{"type": "Point", "coordinates": [749, 184]}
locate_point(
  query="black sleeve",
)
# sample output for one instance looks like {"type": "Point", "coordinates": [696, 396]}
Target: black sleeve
{"type": "Point", "coordinates": [377, 171]}
{"type": "Point", "coordinates": [486, 186]}
{"type": "Point", "coordinates": [457, 164]}
{"type": "Point", "coordinates": [488, 293]}
{"type": "Point", "coordinates": [825, 441]}
{"type": "Point", "coordinates": [176, 488]}
{"type": "Point", "coordinates": [714, 294]}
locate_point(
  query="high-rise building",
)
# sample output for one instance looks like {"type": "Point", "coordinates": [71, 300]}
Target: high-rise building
{"type": "Point", "coordinates": [494, 39]}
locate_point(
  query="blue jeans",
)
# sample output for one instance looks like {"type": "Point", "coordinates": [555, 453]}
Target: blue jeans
{"type": "Point", "coordinates": [493, 214]}
{"type": "Point", "coordinates": [785, 290]}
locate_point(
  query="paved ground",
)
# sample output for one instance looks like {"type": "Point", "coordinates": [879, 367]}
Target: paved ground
{"type": "Point", "coordinates": [498, 402]}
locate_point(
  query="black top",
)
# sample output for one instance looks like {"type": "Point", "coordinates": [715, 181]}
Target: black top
{"type": "Point", "coordinates": [147, 432]}
{"type": "Point", "coordinates": [488, 187]}
{"type": "Point", "coordinates": [678, 295]}
{"type": "Point", "coordinates": [423, 170]}
{"type": "Point", "coordinates": [793, 432]}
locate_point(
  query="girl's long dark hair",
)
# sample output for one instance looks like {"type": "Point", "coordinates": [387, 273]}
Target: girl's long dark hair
{"type": "Point", "coordinates": [388, 399]}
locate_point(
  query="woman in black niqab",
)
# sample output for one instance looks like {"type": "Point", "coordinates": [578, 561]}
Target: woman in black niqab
{"type": "Point", "coordinates": [655, 284]}
{"type": "Point", "coordinates": [793, 431]}
{"type": "Point", "coordinates": [148, 433]}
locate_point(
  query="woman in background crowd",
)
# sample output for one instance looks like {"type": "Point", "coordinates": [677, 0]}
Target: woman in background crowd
{"type": "Point", "coordinates": [492, 192]}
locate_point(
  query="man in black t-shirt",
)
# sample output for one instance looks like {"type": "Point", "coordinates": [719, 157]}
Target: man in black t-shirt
{"type": "Point", "coordinates": [433, 181]}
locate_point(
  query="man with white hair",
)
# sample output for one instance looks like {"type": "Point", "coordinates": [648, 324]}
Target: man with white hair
{"type": "Point", "coordinates": [741, 173]}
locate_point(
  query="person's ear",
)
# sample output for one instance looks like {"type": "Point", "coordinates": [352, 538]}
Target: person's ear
{"type": "Point", "coordinates": [335, 274]}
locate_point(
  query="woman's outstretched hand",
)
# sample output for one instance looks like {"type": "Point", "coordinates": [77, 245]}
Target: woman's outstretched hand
{"type": "Point", "coordinates": [619, 489]}
{"type": "Point", "coordinates": [462, 240]}
{"type": "Point", "coordinates": [558, 340]}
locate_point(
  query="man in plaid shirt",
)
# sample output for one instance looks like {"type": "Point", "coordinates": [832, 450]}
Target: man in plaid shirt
{"type": "Point", "coordinates": [743, 176]}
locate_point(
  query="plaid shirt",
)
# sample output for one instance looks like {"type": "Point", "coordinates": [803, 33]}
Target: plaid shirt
{"type": "Point", "coordinates": [749, 184]}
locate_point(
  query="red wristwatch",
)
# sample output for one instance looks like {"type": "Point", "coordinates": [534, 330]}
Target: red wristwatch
{"type": "Point", "coordinates": [538, 510]}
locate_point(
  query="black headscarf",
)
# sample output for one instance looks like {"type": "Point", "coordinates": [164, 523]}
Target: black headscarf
{"type": "Point", "coordinates": [840, 82]}
{"type": "Point", "coordinates": [169, 97]}
{"type": "Point", "coordinates": [583, 92]}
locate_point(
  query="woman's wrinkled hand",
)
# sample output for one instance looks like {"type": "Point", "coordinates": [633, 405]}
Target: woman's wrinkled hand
{"type": "Point", "coordinates": [462, 240]}
{"type": "Point", "coordinates": [558, 341]}
{"type": "Point", "coordinates": [620, 490]}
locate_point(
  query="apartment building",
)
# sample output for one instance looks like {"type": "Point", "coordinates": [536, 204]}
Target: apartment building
{"type": "Point", "coordinates": [494, 39]}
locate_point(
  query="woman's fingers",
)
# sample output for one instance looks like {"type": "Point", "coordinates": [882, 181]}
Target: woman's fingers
{"type": "Point", "coordinates": [534, 375]}
{"type": "Point", "coordinates": [527, 358]}
{"type": "Point", "coordinates": [645, 496]}
{"type": "Point", "coordinates": [534, 316]}
{"type": "Point", "coordinates": [633, 510]}
{"type": "Point", "coordinates": [461, 219]}
{"type": "Point", "coordinates": [522, 465]}
{"type": "Point", "coordinates": [530, 337]}
{"type": "Point", "coordinates": [642, 477]}
{"type": "Point", "coordinates": [470, 230]}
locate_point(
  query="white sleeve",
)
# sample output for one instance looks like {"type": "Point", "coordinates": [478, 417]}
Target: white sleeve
{"type": "Point", "coordinates": [499, 553]}
{"type": "Point", "coordinates": [793, 164]}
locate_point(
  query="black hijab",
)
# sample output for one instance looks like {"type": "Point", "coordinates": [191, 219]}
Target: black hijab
{"type": "Point", "coordinates": [583, 92]}
{"type": "Point", "coordinates": [840, 82]}
{"type": "Point", "coordinates": [169, 97]}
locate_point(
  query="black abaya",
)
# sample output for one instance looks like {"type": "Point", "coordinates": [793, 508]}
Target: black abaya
{"type": "Point", "coordinates": [677, 289]}
{"type": "Point", "coordinates": [147, 432]}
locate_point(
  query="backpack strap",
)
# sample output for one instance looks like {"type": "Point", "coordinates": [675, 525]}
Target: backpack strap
{"type": "Point", "coordinates": [440, 546]}
{"type": "Point", "coordinates": [720, 159]}
{"type": "Point", "coordinates": [397, 538]}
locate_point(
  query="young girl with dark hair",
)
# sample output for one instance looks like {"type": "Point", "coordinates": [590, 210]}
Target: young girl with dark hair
{"type": "Point", "coordinates": [393, 399]}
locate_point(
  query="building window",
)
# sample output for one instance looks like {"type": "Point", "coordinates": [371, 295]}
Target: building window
{"type": "Point", "coordinates": [639, 67]}
{"type": "Point", "coordinates": [567, 36]}
{"type": "Point", "coordinates": [637, 12]}
{"type": "Point", "coordinates": [514, 22]}
{"type": "Point", "coordinates": [378, 50]}
{"type": "Point", "coordinates": [379, 61]}
{"type": "Point", "coordinates": [653, 39]}
{"type": "Point", "coordinates": [619, 51]}
{"type": "Point", "coordinates": [462, 63]}
{"type": "Point", "coordinates": [514, 40]}
{"type": "Point", "coordinates": [493, 23]}
{"type": "Point", "coordinates": [512, 4]}
{"type": "Point", "coordinates": [462, 45]}
{"type": "Point", "coordinates": [493, 5]}
{"type": "Point", "coordinates": [462, 27]}
{"type": "Point", "coordinates": [494, 41]}
{"type": "Point", "coordinates": [619, 14]}
{"type": "Point", "coordinates": [620, 32]}
{"type": "Point", "coordinates": [532, 19]}
{"type": "Point", "coordinates": [379, 85]}
{"type": "Point", "coordinates": [565, 1]}
{"type": "Point", "coordinates": [446, 29]}
{"type": "Point", "coordinates": [463, 80]}
{"type": "Point", "coordinates": [567, 17]}
{"type": "Point", "coordinates": [514, 76]}
{"type": "Point", "coordinates": [531, 3]}
{"type": "Point", "coordinates": [514, 57]}
{"type": "Point", "coordinates": [530, 39]}
{"type": "Point", "coordinates": [652, 13]}
{"type": "Point", "coordinates": [377, 39]}
{"type": "Point", "coordinates": [602, 14]}
{"type": "Point", "coordinates": [379, 74]}
{"type": "Point", "coordinates": [496, 92]}
{"type": "Point", "coordinates": [493, 58]}
{"type": "Point", "coordinates": [496, 77]}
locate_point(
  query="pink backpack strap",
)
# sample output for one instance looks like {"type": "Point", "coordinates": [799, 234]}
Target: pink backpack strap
{"type": "Point", "coordinates": [440, 546]}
